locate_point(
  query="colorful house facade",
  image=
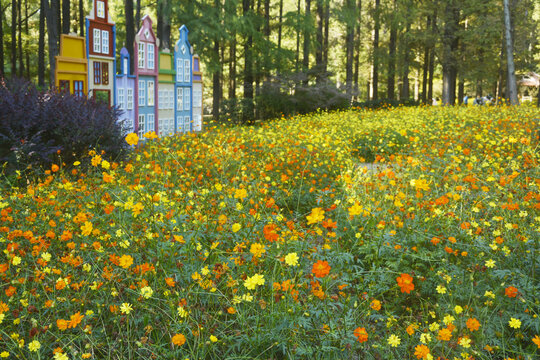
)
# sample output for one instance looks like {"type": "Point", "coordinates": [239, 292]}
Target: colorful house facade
{"type": "Point", "coordinates": [197, 108]}
{"type": "Point", "coordinates": [71, 71]}
{"type": "Point", "coordinates": [125, 92]}
{"type": "Point", "coordinates": [183, 63]}
{"type": "Point", "coordinates": [166, 82]}
{"type": "Point", "coordinates": [100, 51]}
{"type": "Point", "coordinates": [146, 75]}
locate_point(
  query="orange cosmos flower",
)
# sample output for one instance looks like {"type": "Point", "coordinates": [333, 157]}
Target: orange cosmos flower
{"type": "Point", "coordinates": [361, 334]}
{"type": "Point", "coordinates": [321, 269]}
{"type": "Point", "coordinates": [511, 292]}
{"type": "Point", "coordinates": [54, 168]}
{"type": "Point", "coordinates": [62, 324]}
{"type": "Point", "coordinates": [536, 340]}
{"type": "Point", "coordinates": [473, 324]}
{"type": "Point", "coordinates": [10, 291]}
{"type": "Point", "coordinates": [421, 351]}
{"type": "Point", "coordinates": [405, 282]}
{"type": "Point", "coordinates": [170, 281]}
{"type": "Point", "coordinates": [444, 334]}
{"type": "Point", "coordinates": [375, 305]}
{"type": "Point", "coordinates": [75, 319]}
{"type": "Point", "coordinates": [178, 339]}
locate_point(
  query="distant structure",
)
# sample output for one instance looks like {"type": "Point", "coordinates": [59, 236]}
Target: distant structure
{"type": "Point", "coordinates": [197, 108]}
{"type": "Point", "coordinates": [182, 59]}
{"type": "Point", "coordinates": [125, 92]}
{"type": "Point", "coordinates": [166, 83]}
{"type": "Point", "coordinates": [72, 65]}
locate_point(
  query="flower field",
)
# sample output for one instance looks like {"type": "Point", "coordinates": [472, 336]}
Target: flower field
{"type": "Point", "coordinates": [274, 241]}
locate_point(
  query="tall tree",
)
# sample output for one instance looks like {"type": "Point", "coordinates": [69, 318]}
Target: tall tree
{"type": "Point", "coordinates": [319, 46]}
{"type": "Point", "coordinates": [357, 43]}
{"type": "Point", "coordinates": [280, 30]}
{"type": "Point", "coordinates": [425, 68]}
{"type": "Point", "coordinates": [130, 32]}
{"type": "Point", "coordinates": [375, 77]}
{"type": "Point", "coordinates": [53, 20]}
{"type": "Point", "coordinates": [247, 112]}
{"type": "Point", "coordinates": [404, 89]}
{"type": "Point", "coordinates": [19, 39]}
{"type": "Point", "coordinates": [216, 76]}
{"type": "Point", "coordinates": [27, 36]}
{"type": "Point", "coordinates": [431, 66]}
{"type": "Point", "coordinates": [13, 37]}
{"type": "Point", "coordinates": [326, 32]}
{"type": "Point", "coordinates": [164, 23]}
{"type": "Point", "coordinates": [391, 76]}
{"type": "Point", "coordinates": [307, 38]}
{"type": "Point", "coordinates": [41, 45]}
{"type": "Point", "coordinates": [2, 68]}
{"type": "Point", "coordinates": [511, 84]}
{"type": "Point", "coordinates": [138, 15]}
{"type": "Point", "coordinates": [230, 19]}
{"type": "Point", "coordinates": [297, 62]}
{"type": "Point", "coordinates": [66, 14]}
{"type": "Point", "coordinates": [450, 43]}
{"type": "Point", "coordinates": [81, 18]}
{"type": "Point", "coordinates": [350, 20]}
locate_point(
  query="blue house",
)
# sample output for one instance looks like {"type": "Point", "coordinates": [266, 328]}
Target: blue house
{"type": "Point", "coordinates": [125, 92]}
{"type": "Point", "coordinates": [183, 54]}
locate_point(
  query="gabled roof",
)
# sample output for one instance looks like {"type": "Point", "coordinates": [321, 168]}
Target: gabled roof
{"type": "Point", "coordinates": [183, 39]}
{"type": "Point", "coordinates": [146, 32]}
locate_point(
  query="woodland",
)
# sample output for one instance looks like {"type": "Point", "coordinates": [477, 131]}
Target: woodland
{"type": "Point", "coordinates": [261, 57]}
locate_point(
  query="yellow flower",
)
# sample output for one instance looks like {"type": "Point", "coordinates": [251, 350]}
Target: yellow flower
{"type": "Point", "coordinates": [213, 338]}
{"type": "Point", "coordinates": [458, 309]}
{"type": "Point", "coordinates": [317, 215]}
{"type": "Point", "coordinates": [514, 323]}
{"type": "Point", "coordinates": [126, 261]}
{"type": "Point", "coordinates": [46, 256]}
{"type": "Point", "coordinates": [105, 164]}
{"type": "Point", "coordinates": [87, 228]}
{"type": "Point", "coordinates": [34, 346]}
{"type": "Point", "coordinates": [4, 354]}
{"type": "Point", "coordinates": [132, 139]}
{"type": "Point", "coordinates": [490, 263]}
{"type": "Point", "coordinates": [60, 356]}
{"type": "Point", "coordinates": [254, 281]}
{"type": "Point", "coordinates": [236, 227]}
{"type": "Point", "coordinates": [16, 260]}
{"type": "Point", "coordinates": [126, 308]}
{"type": "Point", "coordinates": [465, 342]}
{"type": "Point", "coordinates": [150, 135]}
{"type": "Point", "coordinates": [257, 249]}
{"type": "Point", "coordinates": [96, 160]}
{"type": "Point", "coordinates": [448, 319]}
{"type": "Point", "coordinates": [394, 340]}
{"type": "Point", "coordinates": [147, 292]}
{"type": "Point", "coordinates": [291, 259]}
{"type": "Point", "coordinates": [441, 289]}
{"type": "Point", "coordinates": [182, 312]}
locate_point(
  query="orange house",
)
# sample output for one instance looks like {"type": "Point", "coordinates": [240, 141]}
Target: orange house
{"type": "Point", "coordinates": [71, 72]}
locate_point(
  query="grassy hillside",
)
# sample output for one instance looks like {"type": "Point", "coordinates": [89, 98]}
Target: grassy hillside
{"type": "Point", "coordinates": [275, 242]}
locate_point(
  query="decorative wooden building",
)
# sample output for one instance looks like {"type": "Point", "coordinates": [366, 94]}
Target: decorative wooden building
{"type": "Point", "coordinates": [166, 81]}
{"type": "Point", "coordinates": [71, 71]}
{"type": "Point", "coordinates": [197, 109]}
{"type": "Point", "coordinates": [183, 60]}
{"type": "Point", "coordinates": [101, 50]}
{"type": "Point", "coordinates": [146, 74]}
{"type": "Point", "coordinates": [125, 92]}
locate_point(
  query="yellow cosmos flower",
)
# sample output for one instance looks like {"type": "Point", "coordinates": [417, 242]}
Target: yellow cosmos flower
{"type": "Point", "coordinates": [236, 227]}
{"type": "Point", "coordinates": [514, 323]}
{"type": "Point", "coordinates": [291, 259]}
{"type": "Point", "coordinates": [254, 281]}
{"type": "Point", "coordinates": [394, 340]}
{"type": "Point", "coordinates": [132, 139]}
{"type": "Point", "coordinates": [34, 346]}
{"type": "Point", "coordinates": [126, 308]}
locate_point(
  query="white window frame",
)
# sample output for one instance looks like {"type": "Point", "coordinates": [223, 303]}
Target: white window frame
{"type": "Point", "coordinates": [97, 40]}
{"type": "Point", "coordinates": [140, 55]}
{"type": "Point", "coordinates": [125, 66]}
{"type": "Point", "coordinates": [142, 93]}
{"type": "Point", "coordinates": [160, 99]}
{"type": "Point", "coordinates": [141, 128]}
{"type": "Point", "coordinates": [150, 123]}
{"type": "Point", "coordinates": [150, 92]}
{"type": "Point", "coordinates": [187, 71]}
{"type": "Point", "coordinates": [151, 55]}
{"type": "Point", "coordinates": [121, 100]}
{"type": "Point", "coordinates": [179, 99]}
{"type": "Point", "coordinates": [187, 98]}
{"type": "Point", "coordinates": [187, 124]}
{"type": "Point", "coordinates": [179, 70]}
{"type": "Point", "coordinates": [129, 99]}
{"type": "Point", "coordinates": [101, 9]}
{"type": "Point", "coordinates": [104, 42]}
{"type": "Point", "coordinates": [197, 97]}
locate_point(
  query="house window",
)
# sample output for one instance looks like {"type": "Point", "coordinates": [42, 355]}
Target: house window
{"type": "Point", "coordinates": [121, 99]}
{"type": "Point", "coordinates": [150, 56]}
{"type": "Point", "coordinates": [140, 55]}
{"type": "Point", "coordinates": [130, 99]}
{"type": "Point", "coordinates": [97, 40]}
{"type": "Point", "coordinates": [78, 88]}
{"type": "Point", "coordinates": [160, 99]}
{"type": "Point", "coordinates": [187, 124]}
{"type": "Point", "coordinates": [179, 124]}
{"type": "Point", "coordinates": [171, 100]}
{"type": "Point", "coordinates": [150, 93]}
{"type": "Point", "coordinates": [179, 99]}
{"type": "Point", "coordinates": [142, 93]}
{"type": "Point", "coordinates": [105, 73]}
{"type": "Point", "coordinates": [186, 99]}
{"type": "Point", "coordinates": [101, 9]}
{"type": "Point", "coordinates": [105, 42]}
{"type": "Point", "coordinates": [150, 126]}
{"type": "Point", "coordinates": [197, 98]}
{"type": "Point", "coordinates": [125, 66]}
{"type": "Point", "coordinates": [141, 126]}
{"type": "Point", "coordinates": [179, 70]}
{"type": "Point", "coordinates": [187, 70]}
{"type": "Point", "coordinates": [97, 72]}
{"type": "Point", "coordinates": [64, 85]}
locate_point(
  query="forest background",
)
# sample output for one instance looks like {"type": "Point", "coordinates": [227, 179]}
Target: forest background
{"type": "Point", "coordinates": [263, 57]}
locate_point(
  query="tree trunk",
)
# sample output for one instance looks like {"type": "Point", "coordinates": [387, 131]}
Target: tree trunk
{"type": "Point", "coordinates": [390, 91]}
{"type": "Point", "coordinates": [511, 85]}
{"type": "Point", "coordinates": [216, 77]}
{"type": "Point", "coordinates": [230, 14]}
{"type": "Point", "coordinates": [257, 59]}
{"type": "Point", "coordinates": [307, 40]}
{"type": "Point", "coordinates": [375, 80]}
{"type": "Point", "coordinates": [326, 32]}
{"type": "Point", "coordinates": [425, 67]}
{"type": "Point", "coordinates": [319, 49]}
{"type": "Point", "coordinates": [51, 15]}
{"type": "Point", "coordinates": [357, 43]}
{"type": "Point", "coordinates": [130, 32]}
{"type": "Point", "coordinates": [349, 46]}
{"type": "Point", "coordinates": [404, 90]}
{"type": "Point", "coordinates": [66, 4]}
{"type": "Point", "coordinates": [164, 24]}
{"type": "Point", "coordinates": [13, 37]}
{"type": "Point", "coordinates": [247, 112]}
{"type": "Point", "coordinates": [280, 29]}
{"type": "Point", "coordinates": [297, 60]}
{"type": "Point", "coordinates": [431, 67]}
{"type": "Point", "coordinates": [26, 52]}
{"type": "Point", "coordinates": [19, 39]}
{"type": "Point", "coordinates": [81, 18]}
{"type": "Point", "coordinates": [2, 68]}
{"type": "Point", "coordinates": [449, 61]}
{"type": "Point", "coordinates": [41, 45]}
{"type": "Point", "coordinates": [138, 15]}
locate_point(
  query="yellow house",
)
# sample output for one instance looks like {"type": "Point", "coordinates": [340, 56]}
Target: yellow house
{"type": "Point", "coordinates": [71, 71]}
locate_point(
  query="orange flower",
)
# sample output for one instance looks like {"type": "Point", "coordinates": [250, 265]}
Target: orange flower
{"type": "Point", "coordinates": [473, 324]}
{"type": "Point", "coordinates": [170, 281]}
{"type": "Point", "coordinates": [178, 339]}
{"type": "Point", "coordinates": [75, 319]}
{"type": "Point", "coordinates": [375, 305]}
{"type": "Point", "coordinates": [3, 307]}
{"type": "Point", "coordinates": [511, 292]}
{"type": "Point", "coordinates": [405, 282]}
{"type": "Point", "coordinates": [54, 168]}
{"type": "Point", "coordinates": [321, 269]}
{"type": "Point", "coordinates": [10, 291]}
{"type": "Point", "coordinates": [361, 334]}
{"type": "Point", "coordinates": [421, 351]}
{"type": "Point", "coordinates": [62, 324]}
{"type": "Point", "coordinates": [444, 334]}
{"type": "Point", "coordinates": [536, 340]}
